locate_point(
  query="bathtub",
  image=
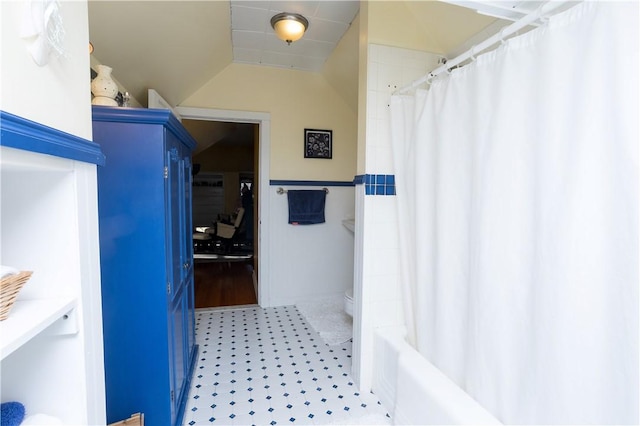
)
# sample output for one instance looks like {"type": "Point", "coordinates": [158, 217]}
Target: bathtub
{"type": "Point", "coordinates": [414, 391]}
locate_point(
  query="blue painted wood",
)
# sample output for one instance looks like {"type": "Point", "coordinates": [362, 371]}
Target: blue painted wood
{"type": "Point", "coordinates": [145, 116]}
{"type": "Point", "coordinates": [146, 263]}
{"type": "Point", "coordinates": [21, 133]}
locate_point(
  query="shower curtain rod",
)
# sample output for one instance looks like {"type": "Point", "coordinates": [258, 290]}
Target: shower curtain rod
{"type": "Point", "coordinates": [544, 9]}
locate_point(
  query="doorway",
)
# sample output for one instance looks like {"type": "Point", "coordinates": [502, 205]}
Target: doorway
{"type": "Point", "coordinates": [225, 165]}
{"type": "Point", "coordinates": [233, 278]}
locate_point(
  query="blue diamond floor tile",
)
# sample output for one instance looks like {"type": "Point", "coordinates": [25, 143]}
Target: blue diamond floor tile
{"type": "Point", "coordinates": [269, 367]}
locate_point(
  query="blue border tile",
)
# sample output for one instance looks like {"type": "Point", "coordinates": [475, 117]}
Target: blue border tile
{"type": "Point", "coordinates": [377, 184]}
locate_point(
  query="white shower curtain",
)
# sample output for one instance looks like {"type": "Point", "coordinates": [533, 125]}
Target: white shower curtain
{"type": "Point", "coordinates": [517, 188]}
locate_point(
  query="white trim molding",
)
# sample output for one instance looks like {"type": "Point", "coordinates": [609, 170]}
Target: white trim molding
{"type": "Point", "coordinates": [263, 119]}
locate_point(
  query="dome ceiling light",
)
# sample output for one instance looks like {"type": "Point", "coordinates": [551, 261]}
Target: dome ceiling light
{"type": "Point", "coordinates": [289, 27]}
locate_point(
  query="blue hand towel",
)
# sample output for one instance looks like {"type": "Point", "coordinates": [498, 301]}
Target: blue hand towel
{"type": "Point", "coordinates": [306, 207]}
{"type": "Point", "coordinates": [11, 413]}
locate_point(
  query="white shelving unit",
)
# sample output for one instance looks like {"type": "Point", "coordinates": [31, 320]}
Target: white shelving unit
{"type": "Point", "coordinates": [51, 343]}
{"type": "Point", "coordinates": [29, 318]}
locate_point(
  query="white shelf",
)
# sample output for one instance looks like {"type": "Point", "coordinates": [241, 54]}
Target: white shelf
{"type": "Point", "coordinates": [29, 318]}
{"type": "Point", "coordinates": [51, 344]}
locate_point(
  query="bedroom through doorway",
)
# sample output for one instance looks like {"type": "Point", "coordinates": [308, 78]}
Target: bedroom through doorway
{"type": "Point", "coordinates": [224, 212]}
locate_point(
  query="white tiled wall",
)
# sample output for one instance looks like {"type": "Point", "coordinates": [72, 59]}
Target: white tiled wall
{"type": "Point", "coordinates": [380, 261]}
{"type": "Point", "coordinates": [388, 69]}
{"type": "Point", "coordinates": [310, 262]}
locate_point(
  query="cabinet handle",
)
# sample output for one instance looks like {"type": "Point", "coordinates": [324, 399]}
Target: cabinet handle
{"type": "Point", "coordinates": [186, 265]}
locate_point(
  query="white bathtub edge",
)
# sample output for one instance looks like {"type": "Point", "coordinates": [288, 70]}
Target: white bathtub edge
{"type": "Point", "coordinates": [388, 343]}
{"type": "Point", "coordinates": [426, 396]}
{"type": "Point", "coordinates": [421, 394]}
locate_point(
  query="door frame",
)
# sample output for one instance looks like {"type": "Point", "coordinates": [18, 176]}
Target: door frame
{"type": "Point", "coordinates": [263, 120]}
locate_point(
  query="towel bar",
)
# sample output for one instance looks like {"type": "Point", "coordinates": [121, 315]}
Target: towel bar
{"type": "Point", "coordinates": [281, 190]}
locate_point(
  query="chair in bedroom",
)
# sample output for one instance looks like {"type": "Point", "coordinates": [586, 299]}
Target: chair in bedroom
{"type": "Point", "coordinates": [221, 231]}
{"type": "Point", "coordinates": [229, 230]}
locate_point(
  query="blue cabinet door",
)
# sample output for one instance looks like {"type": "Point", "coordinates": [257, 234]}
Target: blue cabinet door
{"type": "Point", "coordinates": [187, 238]}
{"type": "Point", "coordinates": [175, 221]}
{"type": "Point", "coordinates": [146, 267]}
{"type": "Point", "coordinates": [181, 302]}
{"type": "Point", "coordinates": [180, 356]}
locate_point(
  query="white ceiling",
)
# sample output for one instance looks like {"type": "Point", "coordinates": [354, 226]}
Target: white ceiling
{"type": "Point", "coordinates": [254, 42]}
{"type": "Point", "coordinates": [503, 9]}
{"type": "Point", "coordinates": [175, 47]}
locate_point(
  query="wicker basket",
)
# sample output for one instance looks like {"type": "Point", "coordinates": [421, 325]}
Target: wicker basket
{"type": "Point", "coordinates": [9, 288]}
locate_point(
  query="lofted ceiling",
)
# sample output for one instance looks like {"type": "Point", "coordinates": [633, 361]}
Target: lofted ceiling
{"type": "Point", "coordinates": [175, 47]}
{"type": "Point", "coordinates": [254, 41]}
{"type": "Point", "coordinates": [209, 133]}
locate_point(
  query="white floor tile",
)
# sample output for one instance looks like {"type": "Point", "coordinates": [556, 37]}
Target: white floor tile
{"type": "Point", "coordinates": [267, 367]}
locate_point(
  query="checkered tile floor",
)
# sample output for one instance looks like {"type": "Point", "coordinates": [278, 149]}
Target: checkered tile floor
{"type": "Point", "coordinates": [268, 366]}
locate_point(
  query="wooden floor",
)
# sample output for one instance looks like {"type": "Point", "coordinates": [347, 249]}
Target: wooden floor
{"type": "Point", "coordinates": [224, 284]}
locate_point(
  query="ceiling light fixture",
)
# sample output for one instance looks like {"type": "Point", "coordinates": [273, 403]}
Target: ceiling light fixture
{"type": "Point", "coordinates": [289, 26]}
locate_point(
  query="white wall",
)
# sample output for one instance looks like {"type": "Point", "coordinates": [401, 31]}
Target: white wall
{"type": "Point", "coordinates": [310, 262]}
{"type": "Point", "coordinates": [57, 94]}
{"type": "Point", "coordinates": [377, 252]}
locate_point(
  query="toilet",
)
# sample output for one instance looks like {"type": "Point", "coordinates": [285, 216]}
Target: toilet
{"type": "Point", "coordinates": [348, 302]}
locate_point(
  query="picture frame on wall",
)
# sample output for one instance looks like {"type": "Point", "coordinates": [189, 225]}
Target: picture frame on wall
{"type": "Point", "coordinates": [318, 143]}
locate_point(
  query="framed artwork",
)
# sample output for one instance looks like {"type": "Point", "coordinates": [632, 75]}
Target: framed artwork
{"type": "Point", "coordinates": [318, 143]}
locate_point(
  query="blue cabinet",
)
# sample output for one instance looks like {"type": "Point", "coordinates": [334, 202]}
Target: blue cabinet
{"type": "Point", "coordinates": [146, 260]}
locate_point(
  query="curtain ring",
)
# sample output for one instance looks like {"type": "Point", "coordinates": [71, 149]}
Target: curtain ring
{"type": "Point", "coordinates": [538, 12]}
{"type": "Point", "coordinates": [472, 55]}
{"type": "Point", "coordinates": [502, 38]}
